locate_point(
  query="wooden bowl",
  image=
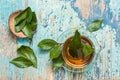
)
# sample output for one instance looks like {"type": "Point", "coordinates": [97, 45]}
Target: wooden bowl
{"type": "Point", "coordinates": [12, 25]}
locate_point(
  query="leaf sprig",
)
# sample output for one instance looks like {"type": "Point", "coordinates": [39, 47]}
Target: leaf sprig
{"type": "Point", "coordinates": [55, 51]}
{"type": "Point", "coordinates": [56, 48]}
{"type": "Point", "coordinates": [26, 22]}
{"type": "Point", "coordinates": [26, 58]}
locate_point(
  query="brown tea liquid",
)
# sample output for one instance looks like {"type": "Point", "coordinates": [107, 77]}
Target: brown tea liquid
{"type": "Point", "coordinates": [76, 62]}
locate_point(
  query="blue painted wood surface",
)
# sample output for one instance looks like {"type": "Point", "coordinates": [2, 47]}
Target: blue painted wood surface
{"type": "Point", "coordinates": [55, 17]}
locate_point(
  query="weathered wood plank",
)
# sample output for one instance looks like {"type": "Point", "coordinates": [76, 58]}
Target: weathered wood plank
{"type": "Point", "coordinates": [55, 17]}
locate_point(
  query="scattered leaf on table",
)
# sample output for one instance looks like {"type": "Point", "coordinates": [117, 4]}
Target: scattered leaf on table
{"type": "Point", "coordinates": [55, 52]}
{"type": "Point", "coordinates": [27, 52]}
{"type": "Point", "coordinates": [21, 62]}
{"type": "Point", "coordinates": [47, 44]}
{"type": "Point", "coordinates": [58, 62]}
{"type": "Point", "coordinates": [95, 25]}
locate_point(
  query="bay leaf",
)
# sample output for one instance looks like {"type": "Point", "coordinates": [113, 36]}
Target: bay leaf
{"type": "Point", "coordinates": [95, 25]}
{"type": "Point", "coordinates": [55, 52]}
{"type": "Point", "coordinates": [29, 15]}
{"type": "Point", "coordinates": [21, 62]}
{"type": "Point", "coordinates": [28, 53]}
{"type": "Point", "coordinates": [57, 63]}
{"type": "Point", "coordinates": [22, 16]}
{"type": "Point", "coordinates": [20, 26]}
{"type": "Point", "coordinates": [28, 31]}
{"type": "Point", "coordinates": [33, 22]}
{"type": "Point", "coordinates": [75, 47]}
{"type": "Point", "coordinates": [47, 44]}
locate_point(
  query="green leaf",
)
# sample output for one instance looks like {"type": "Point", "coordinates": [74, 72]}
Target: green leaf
{"type": "Point", "coordinates": [87, 50]}
{"type": "Point", "coordinates": [47, 44]}
{"type": "Point", "coordinates": [33, 26]}
{"type": "Point", "coordinates": [27, 52]}
{"type": "Point", "coordinates": [75, 47]}
{"type": "Point", "coordinates": [27, 30]}
{"type": "Point", "coordinates": [29, 14]}
{"type": "Point", "coordinates": [33, 22]}
{"type": "Point", "coordinates": [95, 25]}
{"type": "Point", "coordinates": [21, 62]}
{"type": "Point", "coordinates": [55, 52]}
{"type": "Point", "coordinates": [58, 62]}
{"type": "Point", "coordinates": [21, 17]}
{"type": "Point", "coordinates": [34, 18]}
{"type": "Point", "coordinates": [20, 26]}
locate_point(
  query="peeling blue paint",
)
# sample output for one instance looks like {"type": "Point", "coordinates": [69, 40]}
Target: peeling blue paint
{"type": "Point", "coordinates": [65, 15]}
{"type": "Point", "coordinates": [76, 9]}
{"type": "Point", "coordinates": [97, 71]}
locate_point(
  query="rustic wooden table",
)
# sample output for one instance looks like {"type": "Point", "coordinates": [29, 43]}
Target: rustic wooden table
{"type": "Point", "coordinates": [54, 17]}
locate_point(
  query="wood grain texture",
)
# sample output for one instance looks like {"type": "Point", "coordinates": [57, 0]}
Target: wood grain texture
{"type": "Point", "coordinates": [55, 17]}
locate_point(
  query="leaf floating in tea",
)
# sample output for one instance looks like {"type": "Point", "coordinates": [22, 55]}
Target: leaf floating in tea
{"type": "Point", "coordinates": [78, 49]}
{"type": "Point", "coordinates": [75, 47]}
{"type": "Point", "coordinates": [95, 25]}
{"type": "Point", "coordinates": [46, 44]}
{"type": "Point", "coordinates": [87, 50]}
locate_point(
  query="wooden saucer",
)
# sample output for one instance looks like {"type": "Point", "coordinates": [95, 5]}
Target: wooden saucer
{"type": "Point", "coordinates": [12, 25]}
